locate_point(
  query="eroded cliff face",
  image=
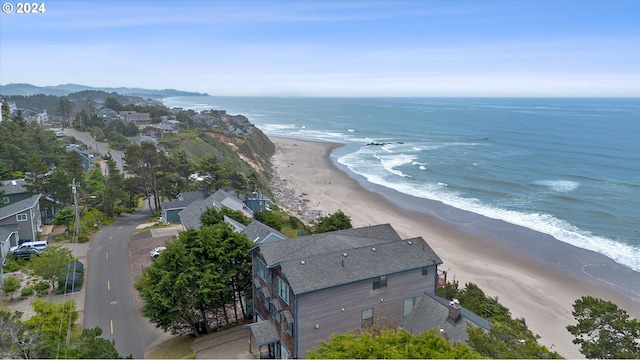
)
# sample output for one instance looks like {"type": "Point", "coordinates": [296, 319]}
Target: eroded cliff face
{"type": "Point", "coordinates": [255, 148]}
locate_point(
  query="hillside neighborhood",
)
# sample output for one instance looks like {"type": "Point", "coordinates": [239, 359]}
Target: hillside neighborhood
{"type": "Point", "coordinates": [288, 277]}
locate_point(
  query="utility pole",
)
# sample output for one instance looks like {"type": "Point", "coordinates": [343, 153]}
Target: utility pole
{"type": "Point", "coordinates": [76, 231]}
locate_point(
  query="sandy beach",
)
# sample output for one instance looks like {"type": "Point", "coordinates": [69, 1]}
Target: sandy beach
{"type": "Point", "coordinates": [542, 294]}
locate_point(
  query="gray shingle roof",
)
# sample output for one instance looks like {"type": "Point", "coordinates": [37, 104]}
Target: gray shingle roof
{"type": "Point", "coordinates": [184, 199]}
{"type": "Point", "coordinates": [264, 332]}
{"type": "Point", "coordinates": [9, 188]}
{"type": "Point", "coordinates": [190, 216]}
{"type": "Point", "coordinates": [7, 230]}
{"type": "Point", "coordinates": [432, 313]}
{"type": "Point", "coordinates": [326, 266]}
{"type": "Point", "coordinates": [257, 231]}
{"type": "Point", "coordinates": [19, 206]}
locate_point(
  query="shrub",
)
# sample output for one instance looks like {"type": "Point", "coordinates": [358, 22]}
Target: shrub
{"type": "Point", "coordinates": [11, 284]}
{"type": "Point", "coordinates": [26, 292]}
{"type": "Point", "coordinates": [12, 266]}
{"type": "Point", "coordinates": [42, 285]}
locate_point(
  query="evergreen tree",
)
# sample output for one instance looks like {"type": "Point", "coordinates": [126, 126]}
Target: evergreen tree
{"type": "Point", "coordinates": [390, 344]}
{"type": "Point", "coordinates": [604, 331]}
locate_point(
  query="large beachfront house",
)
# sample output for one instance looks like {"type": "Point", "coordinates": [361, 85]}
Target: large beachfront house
{"type": "Point", "coordinates": [307, 288]}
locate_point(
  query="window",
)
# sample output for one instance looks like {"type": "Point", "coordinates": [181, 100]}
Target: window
{"type": "Point", "coordinates": [380, 282]}
{"type": "Point", "coordinates": [367, 317]}
{"type": "Point", "coordinates": [425, 270]}
{"type": "Point", "coordinates": [283, 290]}
{"type": "Point", "coordinates": [290, 328]}
{"type": "Point", "coordinates": [261, 269]}
{"type": "Point", "coordinates": [21, 217]}
{"type": "Point", "coordinates": [409, 304]}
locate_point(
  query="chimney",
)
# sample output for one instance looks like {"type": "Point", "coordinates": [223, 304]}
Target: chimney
{"type": "Point", "coordinates": [454, 310]}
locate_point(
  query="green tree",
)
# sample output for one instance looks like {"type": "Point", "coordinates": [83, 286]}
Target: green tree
{"type": "Point", "coordinates": [52, 264]}
{"type": "Point", "coordinates": [58, 186]}
{"type": "Point", "coordinates": [72, 165]}
{"type": "Point", "coordinates": [112, 103]}
{"type": "Point", "coordinates": [16, 342]}
{"type": "Point", "coordinates": [604, 331]}
{"type": "Point", "coordinates": [64, 217]}
{"type": "Point", "coordinates": [10, 285]}
{"type": "Point", "coordinates": [89, 345]}
{"type": "Point", "coordinates": [269, 218]}
{"type": "Point", "coordinates": [390, 344]}
{"type": "Point", "coordinates": [196, 279]}
{"type": "Point", "coordinates": [113, 194]}
{"type": "Point", "coordinates": [508, 337]}
{"type": "Point", "coordinates": [212, 216]}
{"type": "Point", "coordinates": [64, 108]}
{"type": "Point", "coordinates": [332, 222]}
{"type": "Point", "coordinates": [47, 322]}
{"type": "Point", "coordinates": [37, 174]}
{"type": "Point", "coordinates": [144, 162]}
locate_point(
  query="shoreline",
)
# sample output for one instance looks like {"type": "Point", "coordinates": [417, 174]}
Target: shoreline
{"type": "Point", "coordinates": [537, 282]}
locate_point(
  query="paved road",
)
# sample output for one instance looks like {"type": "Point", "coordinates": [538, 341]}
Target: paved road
{"type": "Point", "coordinates": [102, 148]}
{"type": "Point", "coordinates": [109, 300]}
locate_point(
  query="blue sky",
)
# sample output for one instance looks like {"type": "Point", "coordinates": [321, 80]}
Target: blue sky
{"type": "Point", "coordinates": [330, 48]}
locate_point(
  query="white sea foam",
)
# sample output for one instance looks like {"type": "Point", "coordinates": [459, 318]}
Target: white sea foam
{"type": "Point", "coordinates": [544, 223]}
{"type": "Point", "coordinates": [559, 185]}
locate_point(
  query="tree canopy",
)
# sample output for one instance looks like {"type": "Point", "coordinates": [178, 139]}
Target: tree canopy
{"type": "Point", "coordinates": [196, 280]}
{"type": "Point", "coordinates": [332, 222]}
{"type": "Point", "coordinates": [604, 331]}
{"type": "Point", "coordinates": [508, 337]}
{"type": "Point", "coordinates": [51, 333]}
{"type": "Point", "coordinates": [52, 264]}
{"type": "Point", "coordinates": [390, 344]}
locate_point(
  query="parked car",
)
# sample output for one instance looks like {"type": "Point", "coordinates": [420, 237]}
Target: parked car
{"type": "Point", "coordinates": [40, 245]}
{"type": "Point", "coordinates": [156, 252]}
{"type": "Point", "coordinates": [26, 252]}
{"type": "Point", "coordinates": [73, 280]}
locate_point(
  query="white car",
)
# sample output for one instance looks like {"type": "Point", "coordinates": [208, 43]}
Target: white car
{"type": "Point", "coordinates": [156, 252]}
{"type": "Point", "coordinates": [38, 245]}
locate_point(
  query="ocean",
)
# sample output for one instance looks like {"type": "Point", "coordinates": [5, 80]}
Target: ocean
{"type": "Point", "coordinates": [566, 167]}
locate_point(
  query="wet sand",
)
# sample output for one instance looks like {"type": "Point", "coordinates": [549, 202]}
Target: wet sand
{"type": "Point", "coordinates": [535, 282]}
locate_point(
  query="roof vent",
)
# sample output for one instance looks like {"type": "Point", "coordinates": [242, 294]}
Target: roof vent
{"type": "Point", "coordinates": [344, 254]}
{"type": "Point", "coordinates": [409, 242]}
{"type": "Point", "coordinates": [373, 249]}
{"type": "Point", "coordinates": [302, 262]}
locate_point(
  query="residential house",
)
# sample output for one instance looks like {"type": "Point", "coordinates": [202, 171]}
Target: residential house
{"type": "Point", "coordinates": [431, 312]}
{"type": "Point", "coordinates": [170, 210]}
{"type": "Point", "coordinates": [255, 231]}
{"type": "Point", "coordinates": [135, 117]}
{"type": "Point", "coordinates": [138, 140]}
{"type": "Point", "coordinates": [26, 215]}
{"type": "Point", "coordinates": [227, 199]}
{"type": "Point", "coordinates": [307, 288]}
{"type": "Point", "coordinates": [258, 202]}
{"type": "Point", "coordinates": [108, 115]}
{"type": "Point", "coordinates": [88, 160]}
{"type": "Point", "coordinates": [190, 215]}
{"type": "Point", "coordinates": [14, 191]}
{"type": "Point", "coordinates": [8, 236]}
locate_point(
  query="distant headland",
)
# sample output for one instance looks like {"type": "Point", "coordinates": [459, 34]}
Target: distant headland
{"type": "Point", "coordinates": [66, 89]}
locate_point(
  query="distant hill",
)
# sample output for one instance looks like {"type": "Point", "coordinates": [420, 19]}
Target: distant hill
{"type": "Point", "coordinates": [66, 89]}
